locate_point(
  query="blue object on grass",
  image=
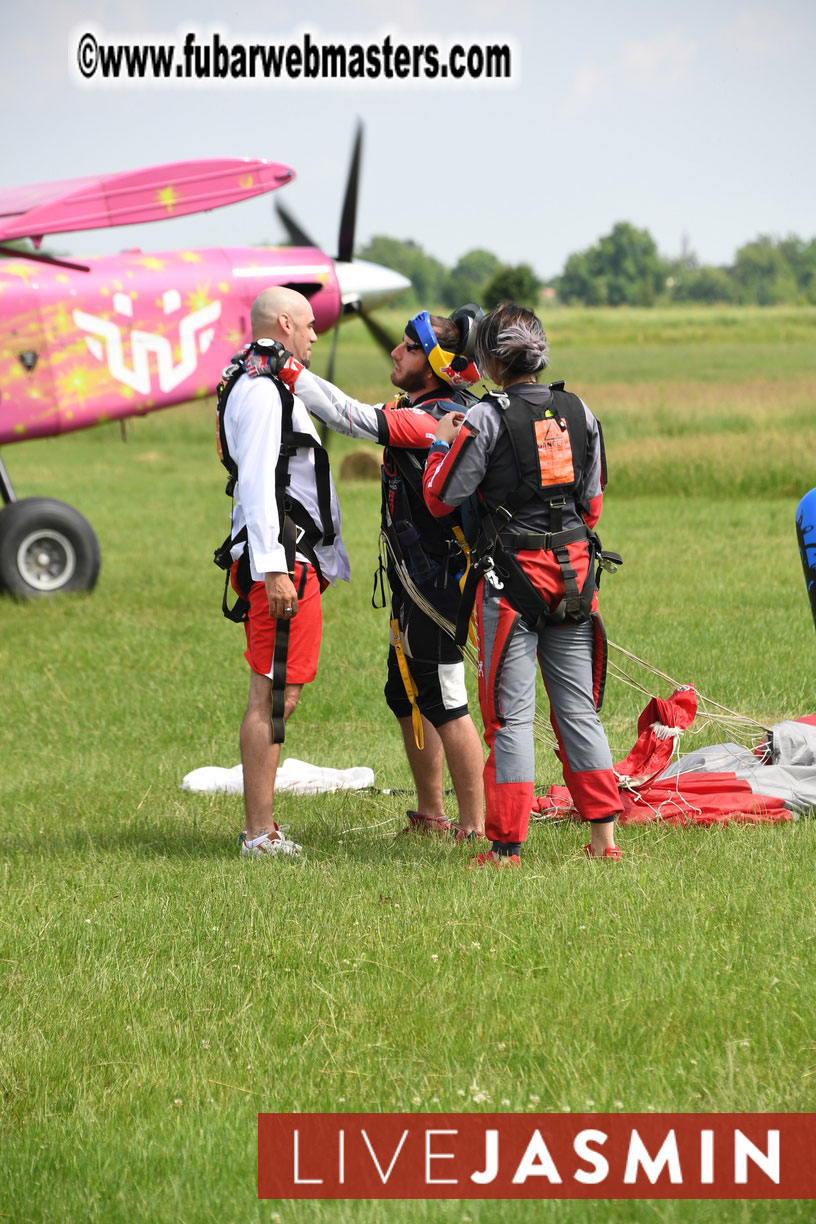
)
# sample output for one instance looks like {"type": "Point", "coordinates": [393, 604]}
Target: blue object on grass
{"type": "Point", "coordinates": [806, 535]}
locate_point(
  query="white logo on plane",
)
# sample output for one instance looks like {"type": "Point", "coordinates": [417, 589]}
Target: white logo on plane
{"type": "Point", "coordinates": [142, 343]}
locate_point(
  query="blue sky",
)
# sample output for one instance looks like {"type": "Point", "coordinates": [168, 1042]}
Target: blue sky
{"type": "Point", "coordinates": [693, 121]}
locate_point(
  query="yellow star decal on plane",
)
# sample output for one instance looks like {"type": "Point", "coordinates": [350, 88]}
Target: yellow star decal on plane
{"type": "Point", "coordinates": [23, 270]}
{"type": "Point", "coordinates": [200, 298]}
{"type": "Point", "coordinates": [190, 256]}
{"type": "Point", "coordinates": [73, 384]}
{"type": "Point", "coordinates": [62, 320]}
{"type": "Point", "coordinates": [168, 197]}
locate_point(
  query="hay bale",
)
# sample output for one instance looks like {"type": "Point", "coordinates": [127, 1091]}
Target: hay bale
{"type": "Point", "coordinates": [360, 465]}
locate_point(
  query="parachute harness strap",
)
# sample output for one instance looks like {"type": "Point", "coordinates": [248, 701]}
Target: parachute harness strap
{"type": "Point", "coordinates": [463, 578]}
{"type": "Point", "coordinates": [409, 682]}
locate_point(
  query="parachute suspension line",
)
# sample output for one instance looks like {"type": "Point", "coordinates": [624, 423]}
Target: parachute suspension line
{"type": "Point", "coordinates": [542, 730]}
{"type": "Point", "coordinates": [740, 727]}
{"type": "Point", "coordinates": [646, 666]}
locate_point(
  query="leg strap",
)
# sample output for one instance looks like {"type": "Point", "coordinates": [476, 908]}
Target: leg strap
{"type": "Point", "coordinates": [409, 682]}
{"type": "Point", "coordinates": [281, 650]}
{"type": "Point", "coordinates": [279, 680]}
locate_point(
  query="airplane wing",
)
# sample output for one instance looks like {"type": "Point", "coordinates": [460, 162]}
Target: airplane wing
{"type": "Point", "coordinates": [135, 196]}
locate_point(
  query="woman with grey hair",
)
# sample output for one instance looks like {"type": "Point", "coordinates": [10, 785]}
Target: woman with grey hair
{"type": "Point", "coordinates": [534, 454]}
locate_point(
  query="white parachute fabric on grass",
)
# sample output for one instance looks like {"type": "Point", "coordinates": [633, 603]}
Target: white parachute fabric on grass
{"type": "Point", "coordinates": [786, 770]}
{"type": "Point", "coordinates": [296, 777]}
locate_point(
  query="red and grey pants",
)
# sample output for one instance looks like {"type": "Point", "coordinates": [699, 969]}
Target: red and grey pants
{"type": "Point", "coordinates": [510, 655]}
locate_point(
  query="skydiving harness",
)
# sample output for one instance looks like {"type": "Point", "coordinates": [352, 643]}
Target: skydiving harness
{"type": "Point", "coordinates": [298, 530]}
{"type": "Point", "coordinates": [403, 470]}
{"type": "Point", "coordinates": [549, 448]}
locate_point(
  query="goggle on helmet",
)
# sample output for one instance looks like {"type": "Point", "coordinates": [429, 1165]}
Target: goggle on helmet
{"type": "Point", "coordinates": [457, 369]}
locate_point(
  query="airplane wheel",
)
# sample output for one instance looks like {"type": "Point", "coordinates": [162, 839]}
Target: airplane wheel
{"type": "Point", "coordinates": [46, 546]}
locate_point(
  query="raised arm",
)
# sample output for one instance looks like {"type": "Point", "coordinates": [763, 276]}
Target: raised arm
{"type": "Point", "coordinates": [335, 409]}
{"type": "Point", "coordinates": [384, 423]}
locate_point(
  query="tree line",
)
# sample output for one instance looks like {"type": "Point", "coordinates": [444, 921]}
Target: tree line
{"type": "Point", "coordinates": [479, 276]}
{"type": "Point", "coordinates": [624, 268]}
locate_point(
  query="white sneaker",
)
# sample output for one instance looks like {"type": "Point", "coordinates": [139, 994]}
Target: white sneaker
{"type": "Point", "coordinates": [276, 843]}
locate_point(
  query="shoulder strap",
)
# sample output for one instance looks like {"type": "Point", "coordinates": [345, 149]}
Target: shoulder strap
{"type": "Point", "coordinates": [231, 375]}
{"type": "Point", "coordinates": [547, 467]}
{"type": "Point", "coordinates": [291, 440]}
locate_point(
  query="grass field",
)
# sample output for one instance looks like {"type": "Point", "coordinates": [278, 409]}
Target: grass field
{"type": "Point", "coordinates": [158, 992]}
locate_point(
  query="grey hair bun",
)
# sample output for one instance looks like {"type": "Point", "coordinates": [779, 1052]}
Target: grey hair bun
{"type": "Point", "coordinates": [523, 347]}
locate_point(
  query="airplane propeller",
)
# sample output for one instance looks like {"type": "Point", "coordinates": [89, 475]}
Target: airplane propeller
{"type": "Point", "coordinates": [348, 217]}
{"type": "Point", "coordinates": [297, 235]}
{"type": "Point", "coordinates": [363, 285]}
{"type": "Point", "coordinates": [386, 342]}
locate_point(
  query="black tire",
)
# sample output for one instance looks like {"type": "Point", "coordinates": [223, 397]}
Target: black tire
{"type": "Point", "coordinates": [46, 546]}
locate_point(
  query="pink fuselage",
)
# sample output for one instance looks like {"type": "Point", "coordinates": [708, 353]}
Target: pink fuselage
{"type": "Point", "coordinates": [137, 332]}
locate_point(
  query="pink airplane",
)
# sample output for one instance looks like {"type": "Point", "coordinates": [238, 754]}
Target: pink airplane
{"type": "Point", "coordinates": [105, 338]}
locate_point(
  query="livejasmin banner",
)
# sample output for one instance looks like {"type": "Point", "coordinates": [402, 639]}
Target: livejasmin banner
{"type": "Point", "coordinates": [537, 1156]}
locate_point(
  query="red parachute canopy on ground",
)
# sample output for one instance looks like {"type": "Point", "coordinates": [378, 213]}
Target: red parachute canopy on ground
{"type": "Point", "coordinates": [711, 785]}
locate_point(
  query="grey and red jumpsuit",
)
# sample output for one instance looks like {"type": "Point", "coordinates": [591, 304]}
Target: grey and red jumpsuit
{"type": "Point", "coordinates": [569, 654]}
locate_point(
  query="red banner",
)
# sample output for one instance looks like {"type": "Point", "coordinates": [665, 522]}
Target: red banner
{"type": "Point", "coordinates": [537, 1156]}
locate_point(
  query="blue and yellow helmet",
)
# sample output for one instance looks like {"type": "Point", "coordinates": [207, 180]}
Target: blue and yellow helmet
{"type": "Point", "coordinates": [459, 369]}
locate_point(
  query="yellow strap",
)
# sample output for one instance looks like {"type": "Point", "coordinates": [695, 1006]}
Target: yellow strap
{"type": "Point", "coordinates": [465, 547]}
{"type": "Point", "coordinates": [408, 681]}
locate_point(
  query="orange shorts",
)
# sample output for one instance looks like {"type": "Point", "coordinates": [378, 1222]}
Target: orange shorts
{"type": "Point", "coordinates": [305, 629]}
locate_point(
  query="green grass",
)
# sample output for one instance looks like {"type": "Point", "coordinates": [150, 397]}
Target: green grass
{"type": "Point", "coordinates": [158, 992]}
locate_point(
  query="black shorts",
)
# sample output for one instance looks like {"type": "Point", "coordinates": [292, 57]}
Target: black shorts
{"type": "Point", "coordinates": [435, 663]}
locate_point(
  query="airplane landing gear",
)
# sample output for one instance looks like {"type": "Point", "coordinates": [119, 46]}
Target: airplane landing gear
{"type": "Point", "coordinates": [46, 546]}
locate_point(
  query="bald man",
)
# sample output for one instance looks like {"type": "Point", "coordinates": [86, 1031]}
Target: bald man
{"type": "Point", "coordinates": [286, 547]}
